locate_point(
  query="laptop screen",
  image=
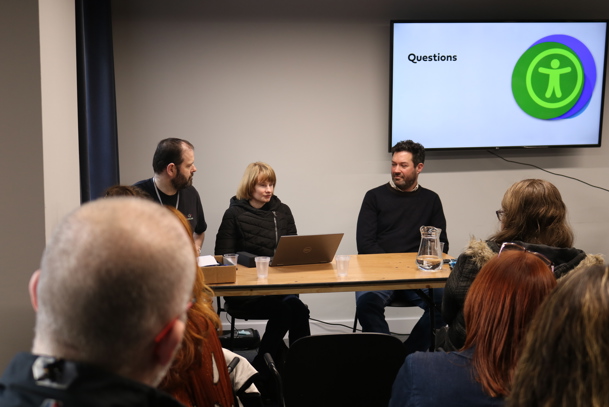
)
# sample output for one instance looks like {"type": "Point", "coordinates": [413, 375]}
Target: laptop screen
{"type": "Point", "coordinates": [306, 249]}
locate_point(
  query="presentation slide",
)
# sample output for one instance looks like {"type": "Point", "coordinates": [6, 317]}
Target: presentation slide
{"type": "Point", "coordinates": [477, 85]}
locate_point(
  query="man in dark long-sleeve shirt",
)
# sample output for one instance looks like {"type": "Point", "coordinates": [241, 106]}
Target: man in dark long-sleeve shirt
{"type": "Point", "coordinates": [389, 222]}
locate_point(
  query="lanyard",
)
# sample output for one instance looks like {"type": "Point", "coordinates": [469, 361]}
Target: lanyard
{"type": "Point", "coordinates": [159, 195]}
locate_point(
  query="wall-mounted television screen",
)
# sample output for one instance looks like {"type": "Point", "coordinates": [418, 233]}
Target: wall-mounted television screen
{"type": "Point", "coordinates": [466, 85]}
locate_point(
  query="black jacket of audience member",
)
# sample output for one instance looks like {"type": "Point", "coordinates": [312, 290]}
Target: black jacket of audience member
{"type": "Point", "coordinates": [72, 384]}
{"type": "Point", "coordinates": [469, 264]}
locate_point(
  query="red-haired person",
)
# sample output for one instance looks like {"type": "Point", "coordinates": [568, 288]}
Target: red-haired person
{"type": "Point", "coordinates": [498, 309]}
{"type": "Point", "coordinates": [126, 190]}
{"type": "Point", "coordinates": [199, 376]}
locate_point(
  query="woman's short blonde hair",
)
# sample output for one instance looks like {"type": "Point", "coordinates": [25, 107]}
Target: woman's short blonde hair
{"type": "Point", "coordinates": [255, 173]}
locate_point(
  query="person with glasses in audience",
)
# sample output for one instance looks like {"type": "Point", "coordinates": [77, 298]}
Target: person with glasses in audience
{"type": "Point", "coordinates": [564, 360]}
{"type": "Point", "coordinates": [533, 215]}
{"type": "Point", "coordinates": [498, 310]}
{"type": "Point", "coordinates": [111, 297]}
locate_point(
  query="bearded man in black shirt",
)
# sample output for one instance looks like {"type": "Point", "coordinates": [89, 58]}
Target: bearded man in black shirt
{"type": "Point", "coordinates": [389, 222]}
{"type": "Point", "coordinates": [174, 168]}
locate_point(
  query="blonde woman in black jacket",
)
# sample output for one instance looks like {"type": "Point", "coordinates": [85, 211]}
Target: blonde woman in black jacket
{"type": "Point", "coordinates": [253, 223]}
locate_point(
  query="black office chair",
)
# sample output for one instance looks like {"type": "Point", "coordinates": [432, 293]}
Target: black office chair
{"type": "Point", "coordinates": [342, 370]}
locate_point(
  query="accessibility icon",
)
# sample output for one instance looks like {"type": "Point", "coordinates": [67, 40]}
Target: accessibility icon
{"type": "Point", "coordinates": [554, 78]}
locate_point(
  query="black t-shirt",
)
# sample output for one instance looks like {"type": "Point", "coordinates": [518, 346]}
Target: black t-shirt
{"type": "Point", "coordinates": [189, 205]}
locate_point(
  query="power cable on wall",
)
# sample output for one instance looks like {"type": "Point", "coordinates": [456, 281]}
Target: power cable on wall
{"type": "Point", "coordinates": [549, 172]}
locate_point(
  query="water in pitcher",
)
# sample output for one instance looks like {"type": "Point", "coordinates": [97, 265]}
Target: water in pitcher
{"type": "Point", "coordinates": [429, 263]}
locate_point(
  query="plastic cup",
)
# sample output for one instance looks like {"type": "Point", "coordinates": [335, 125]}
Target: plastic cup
{"type": "Point", "coordinates": [262, 266]}
{"type": "Point", "coordinates": [230, 259]}
{"type": "Point", "coordinates": [342, 265]}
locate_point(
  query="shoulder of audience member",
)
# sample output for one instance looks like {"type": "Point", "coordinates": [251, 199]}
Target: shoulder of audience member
{"type": "Point", "coordinates": [479, 251]}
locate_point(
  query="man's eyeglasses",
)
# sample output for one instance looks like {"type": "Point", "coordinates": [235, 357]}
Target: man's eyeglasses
{"type": "Point", "coordinates": [500, 214]}
{"type": "Point", "coordinates": [171, 323]}
{"type": "Point", "coordinates": [515, 246]}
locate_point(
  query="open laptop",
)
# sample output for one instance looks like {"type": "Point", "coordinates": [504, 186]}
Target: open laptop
{"type": "Point", "coordinates": [306, 249]}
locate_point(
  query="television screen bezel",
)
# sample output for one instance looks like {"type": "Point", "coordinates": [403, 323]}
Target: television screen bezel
{"type": "Point", "coordinates": [517, 147]}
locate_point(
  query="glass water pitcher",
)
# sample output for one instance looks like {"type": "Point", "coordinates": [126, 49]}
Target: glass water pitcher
{"type": "Point", "coordinates": [429, 257]}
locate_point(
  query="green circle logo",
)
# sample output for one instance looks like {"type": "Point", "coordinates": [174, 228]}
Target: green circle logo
{"type": "Point", "coordinates": [548, 80]}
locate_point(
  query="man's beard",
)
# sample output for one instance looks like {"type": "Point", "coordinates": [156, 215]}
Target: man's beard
{"type": "Point", "coordinates": [405, 183]}
{"type": "Point", "coordinates": [181, 181]}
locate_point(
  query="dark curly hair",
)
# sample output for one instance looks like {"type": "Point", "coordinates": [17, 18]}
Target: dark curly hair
{"type": "Point", "coordinates": [416, 149]}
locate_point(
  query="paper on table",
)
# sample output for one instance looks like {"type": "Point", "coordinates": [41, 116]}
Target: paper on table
{"type": "Point", "coordinates": [207, 261]}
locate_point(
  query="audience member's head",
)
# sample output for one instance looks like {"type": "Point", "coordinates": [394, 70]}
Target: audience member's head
{"type": "Point", "coordinates": [125, 190]}
{"type": "Point", "coordinates": [255, 173]}
{"type": "Point", "coordinates": [498, 309]}
{"type": "Point", "coordinates": [533, 211]}
{"type": "Point", "coordinates": [416, 149]}
{"type": "Point", "coordinates": [114, 284]}
{"type": "Point", "coordinates": [564, 361]}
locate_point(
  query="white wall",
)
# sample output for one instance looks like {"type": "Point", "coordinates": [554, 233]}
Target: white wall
{"type": "Point", "coordinates": [22, 202]}
{"type": "Point", "coordinates": [59, 110]}
{"type": "Point", "coordinates": [39, 154]}
{"type": "Point", "coordinates": [307, 92]}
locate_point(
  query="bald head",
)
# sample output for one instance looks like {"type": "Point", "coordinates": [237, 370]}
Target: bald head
{"type": "Point", "coordinates": [113, 274]}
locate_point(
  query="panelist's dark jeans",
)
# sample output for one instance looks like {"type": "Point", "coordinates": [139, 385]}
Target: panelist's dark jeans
{"type": "Point", "coordinates": [370, 308]}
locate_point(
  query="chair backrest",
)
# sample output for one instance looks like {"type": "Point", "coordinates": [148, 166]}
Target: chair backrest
{"type": "Point", "coordinates": [342, 370]}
